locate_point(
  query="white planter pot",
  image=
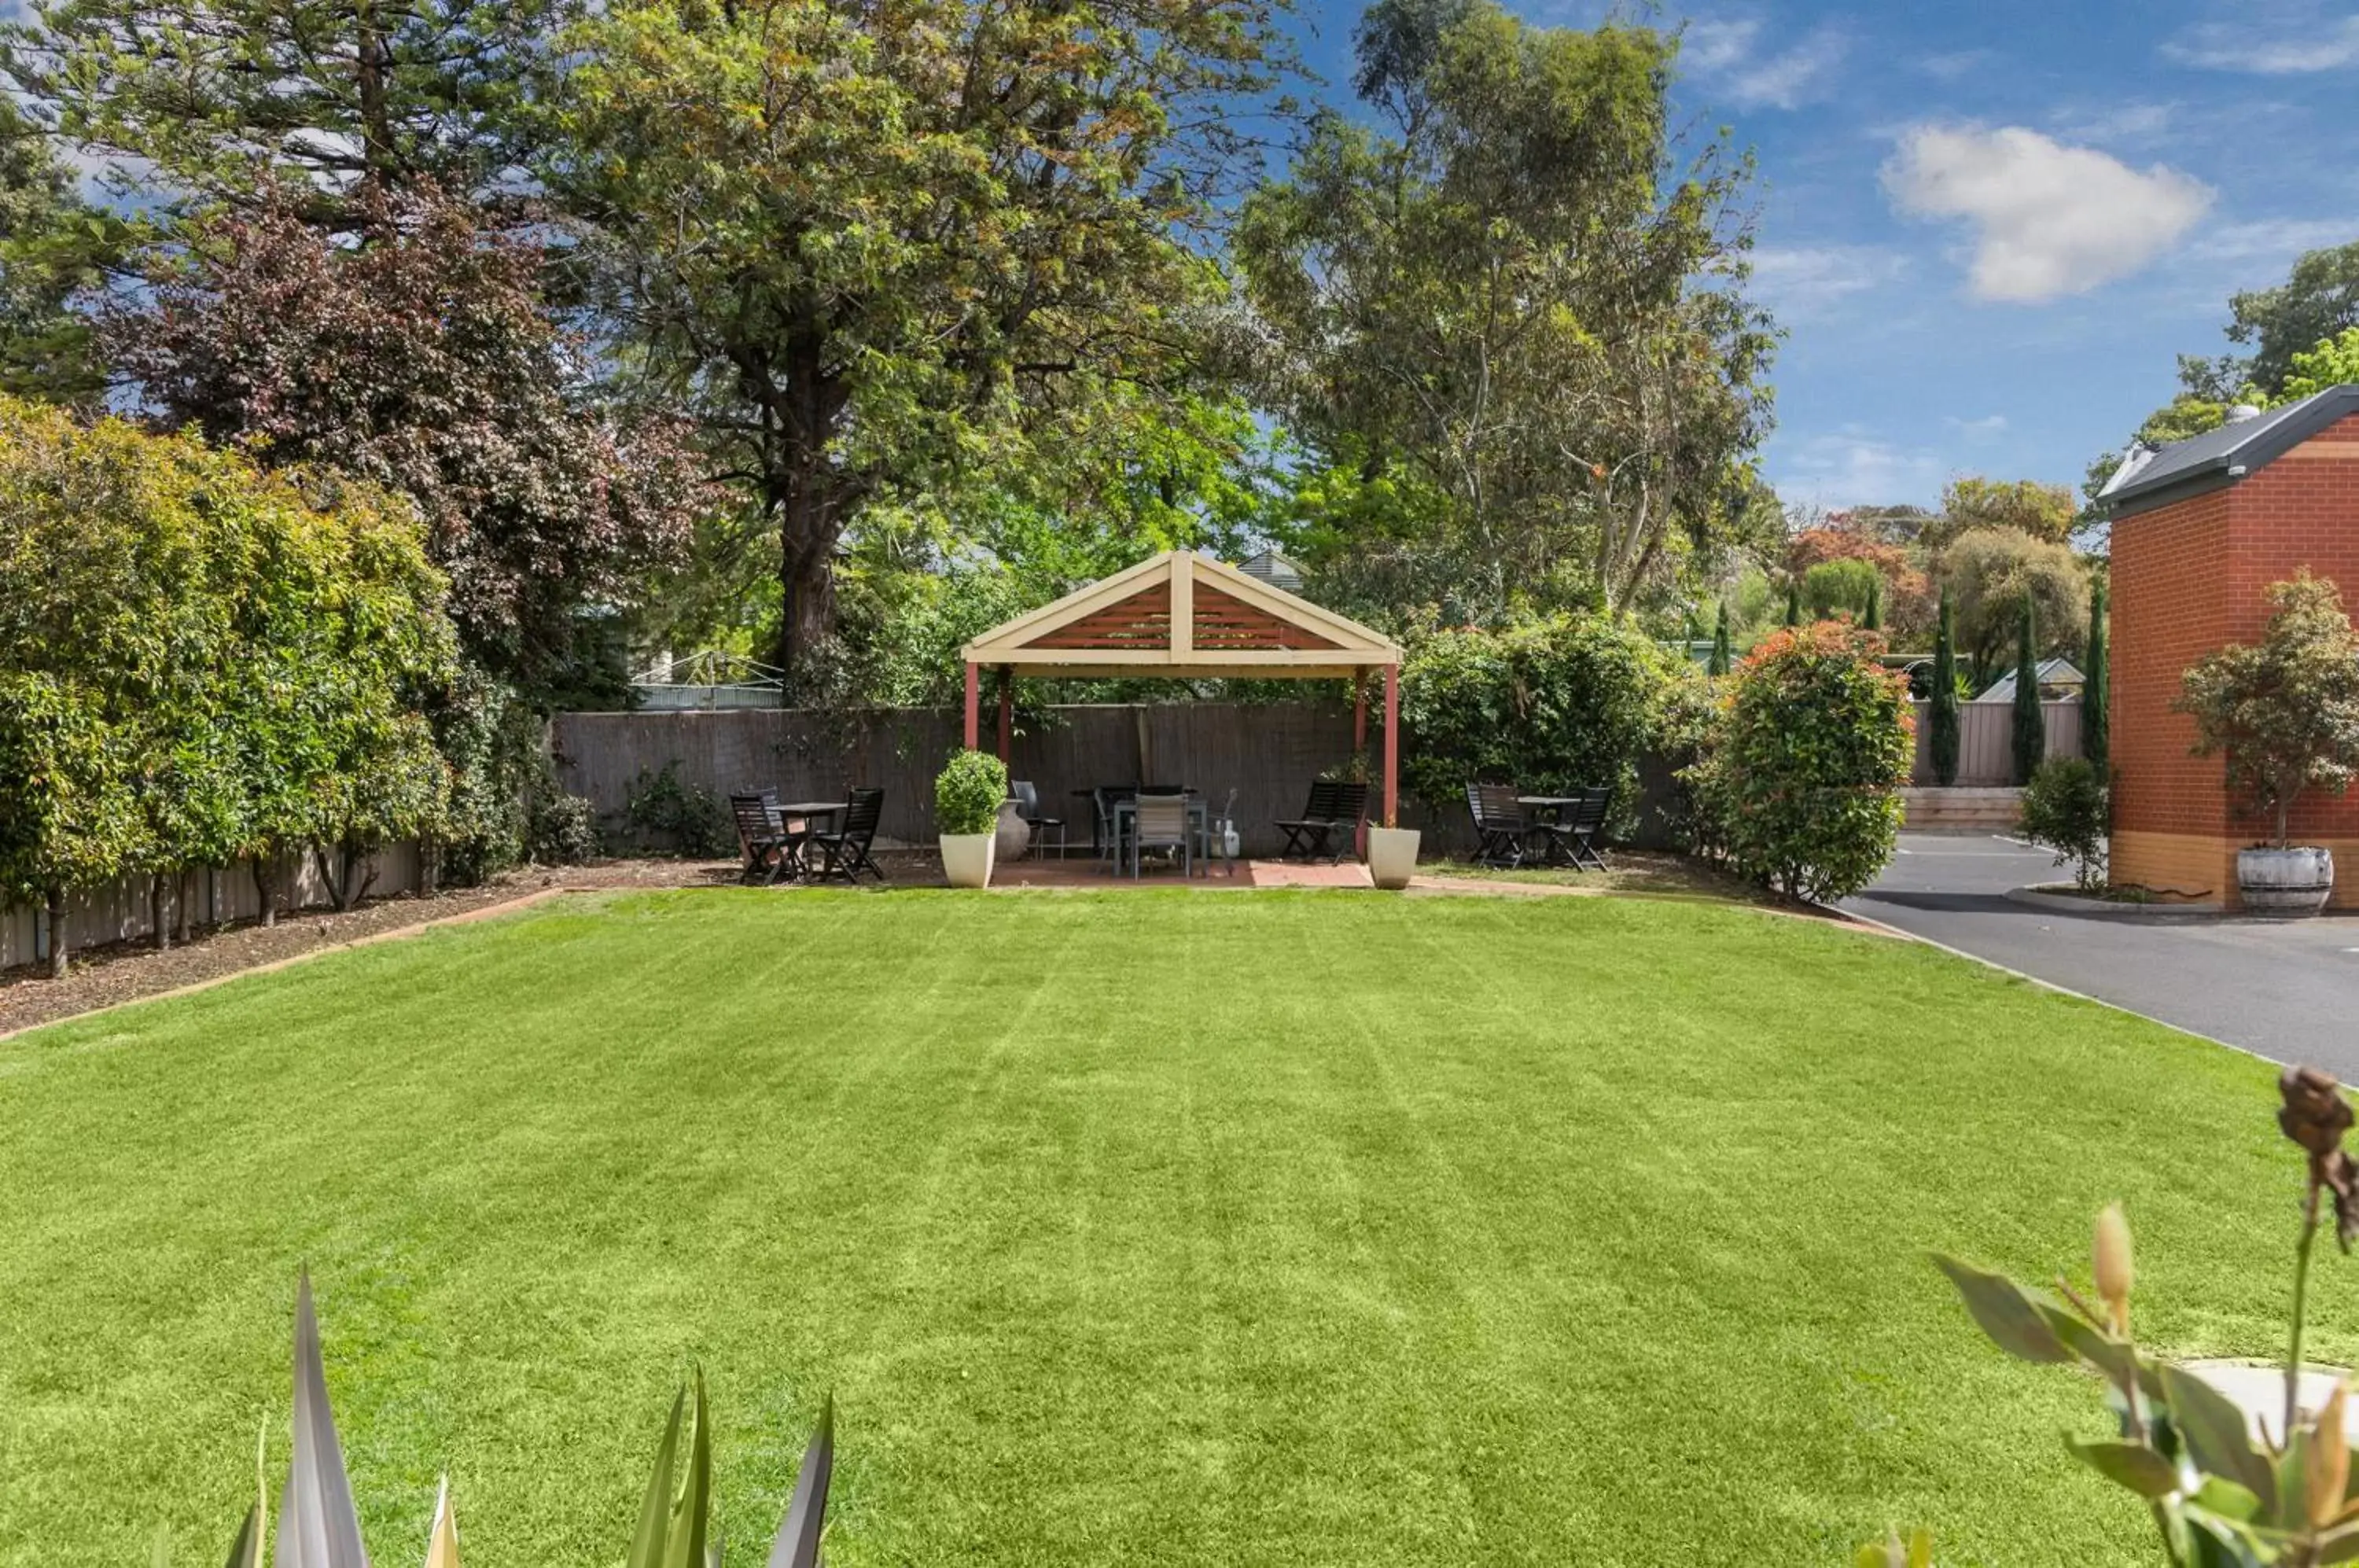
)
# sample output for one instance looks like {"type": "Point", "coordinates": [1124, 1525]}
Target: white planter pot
{"type": "Point", "coordinates": [2287, 883]}
{"type": "Point", "coordinates": [1014, 835]}
{"type": "Point", "coordinates": [1392, 855]}
{"type": "Point", "coordinates": [967, 857]}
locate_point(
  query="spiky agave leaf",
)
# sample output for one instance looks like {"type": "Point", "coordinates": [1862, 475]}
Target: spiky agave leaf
{"type": "Point", "coordinates": [798, 1542]}
{"type": "Point", "coordinates": [442, 1540]}
{"type": "Point", "coordinates": [655, 1513]}
{"type": "Point", "coordinates": [317, 1526]}
{"type": "Point", "coordinates": [686, 1547]}
{"type": "Point", "coordinates": [245, 1550]}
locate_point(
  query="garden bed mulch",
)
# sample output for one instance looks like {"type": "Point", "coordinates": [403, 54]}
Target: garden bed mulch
{"type": "Point", "coordinates": [109, 976]}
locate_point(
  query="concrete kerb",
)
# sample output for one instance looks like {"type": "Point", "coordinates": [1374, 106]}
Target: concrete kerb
{"type": "Point", "coordinates": [2048, 897]}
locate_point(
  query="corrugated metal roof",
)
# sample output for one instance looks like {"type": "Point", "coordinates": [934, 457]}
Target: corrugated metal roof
{"type": "Point", "coordinates": [2223, 456]}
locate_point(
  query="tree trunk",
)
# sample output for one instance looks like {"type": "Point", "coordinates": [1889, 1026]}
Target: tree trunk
{"type": "Point", "coordinates": [265, 884]}
{"type": "Point", "coordinates": [56, 898]}
{"type": "Point", "coordinates": [805, 490]}
{"type": "Point", "coordinates": [156, 907]}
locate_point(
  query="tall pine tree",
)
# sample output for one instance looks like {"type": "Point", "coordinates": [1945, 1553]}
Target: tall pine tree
{"type": "Point", "coordinates": [1720, 643]}
{"type": "Point", "coordinates": [1945, 697]}
{"type": "Point", "coordinates": [2030, 729]}
{"type": "Point", "coordinates": [1872, 618]}
{"type": "Point", "coordinates": [1793, 604]}
{"type": "Point", "coordinates": [2095, 691]}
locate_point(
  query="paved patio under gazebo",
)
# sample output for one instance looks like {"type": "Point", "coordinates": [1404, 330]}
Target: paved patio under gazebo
{"type": "Point", "coordinates": [1178, 616]}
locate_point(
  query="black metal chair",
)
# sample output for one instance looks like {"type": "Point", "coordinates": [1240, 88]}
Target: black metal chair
{"type": "Point", "coordinates": [1028, 806]}
{"type": "Point", "coordinates": [762, 837]}
{"type": "Point", "coordinates": [1501, 834]}
{"type": "Point", "coordinates": [1575, 835]}
{"type": "Point", "coordinates": [845, 852]}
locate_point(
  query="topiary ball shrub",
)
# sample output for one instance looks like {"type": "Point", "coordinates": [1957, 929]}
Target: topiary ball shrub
{"type": "Point", "coordinates": [2066, 809]}
{"type": "Point", "coordinates": [967, 793]}
{"type": "Point", "coordinates": [1802, 782]}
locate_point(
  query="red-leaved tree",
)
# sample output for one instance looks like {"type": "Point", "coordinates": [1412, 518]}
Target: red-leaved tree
{"type": "Point", "coordinates": [425, 357]}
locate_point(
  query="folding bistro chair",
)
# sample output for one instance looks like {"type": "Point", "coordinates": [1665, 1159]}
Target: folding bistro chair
{"type": "Point", "coordinates": [1576, 834]}
{"type": "Point", "coordinates": [845, 852]}
{"type": "Point", "coordinates": [1342, 833]}
{"type": "Point", "coordinates": [1028, 806]}
{"type": "Point", "coordinates": [1500, 830]}
{"type": "Point", "coordinates": [1162, 823]}
{"type": "Point", "coordinates": [1304, 832]}
{"type": "Point", "coordinates": [763, 839]}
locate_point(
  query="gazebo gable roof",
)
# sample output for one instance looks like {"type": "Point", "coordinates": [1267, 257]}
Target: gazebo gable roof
{"type": "Point", "coordinates": [1181, 612]}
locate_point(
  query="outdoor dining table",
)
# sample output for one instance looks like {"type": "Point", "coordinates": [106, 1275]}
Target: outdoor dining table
{"type": "Point", "coordinates": [790, 845]}
{"type": "Point", "coordinates": [1555, 806]}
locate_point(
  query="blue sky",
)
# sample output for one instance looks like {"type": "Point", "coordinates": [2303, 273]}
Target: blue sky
{"type": "Point", "coordinates": [1990, 229]}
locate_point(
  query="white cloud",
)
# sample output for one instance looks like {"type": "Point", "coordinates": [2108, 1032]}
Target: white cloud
{"type": "Point", "coordinates": [1989, 427]}
{"type": "Point", "coordinates": [1854, 468]}
{"type": "Point", "coordinates": [1952, 67]}
{"type": "Point", "coordinates": [2279, 39]}
{"type": "Point", "coordinates": [2271, 239]}
{"type": "Point", "coordinates": [2132, 122]}
{"type": "Point", "coordinates": [1801, 281]}
{"type": "Point", "coordinates": [2048, 220]}
{"type": "Point", "coordinates": [1729, 54]}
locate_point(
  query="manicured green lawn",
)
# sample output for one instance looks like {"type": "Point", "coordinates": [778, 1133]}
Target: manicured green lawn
{"type": "Point", "coordinates": [1174, 1228]}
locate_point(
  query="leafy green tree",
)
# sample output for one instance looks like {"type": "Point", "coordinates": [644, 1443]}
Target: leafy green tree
{"type": "Point", "coordinates": [872, 279]}
{"type": "Point", "coordinates": [2031, 727]}
{"type": "Point", "coordinates": [226, 99]}
{"type": "Point", "coordinates": [2318, 300]}
{"type": "Point", "coordinates": [2334, 362]}
{"type": "Point", "coordinates": [1986, 572]}
{"type": "Point", "coordinates": [52, 246]}
{"type": "Point", "coordinates": [201, 662]}
{"type": "Point", "coordinates": [1945, 698]}
{"type": "Point", "coordinates": [1839, 587]}
{"type": "Point", "coordinates": [2043, 511]}
{"type": "Point", "coordinates": [2284, 711]}
{"type": "Point", "coordinates": [1507, 296]}
{"type": "Point", "coordinates": [2096, 691]}
{"type": "Point", "coordinates": [1720, 644]}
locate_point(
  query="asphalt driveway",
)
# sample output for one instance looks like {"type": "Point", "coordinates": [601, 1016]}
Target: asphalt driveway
{"type": "Point", "coordinates": [2287, 990]}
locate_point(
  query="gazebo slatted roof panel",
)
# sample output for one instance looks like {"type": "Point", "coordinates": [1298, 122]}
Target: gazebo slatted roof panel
{"type": "Point", "coordinates": [1179, 614]}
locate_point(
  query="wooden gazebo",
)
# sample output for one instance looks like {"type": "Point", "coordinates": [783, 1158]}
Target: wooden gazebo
{"type": "Point", "coordinates": [1179, 616]}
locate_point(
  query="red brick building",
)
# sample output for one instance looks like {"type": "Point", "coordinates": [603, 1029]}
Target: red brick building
{"type": "Point", "coordinates": [2199, 530]}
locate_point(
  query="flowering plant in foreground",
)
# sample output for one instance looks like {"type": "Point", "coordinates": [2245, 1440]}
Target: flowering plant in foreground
{"type": "Point", "coordinates": [2221, 1496]}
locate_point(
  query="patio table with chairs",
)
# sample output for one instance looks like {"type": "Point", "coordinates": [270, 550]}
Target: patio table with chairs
{"type": "Point", "coordinates": [779, 839]}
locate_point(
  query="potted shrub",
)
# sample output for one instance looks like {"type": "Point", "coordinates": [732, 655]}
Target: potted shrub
{"type": "Point", "coordinates": [967, 793]}
{"type": "Point", "coordinates": [2284, 713]}
{"type": "Point", "coordinates": [1392, 855]}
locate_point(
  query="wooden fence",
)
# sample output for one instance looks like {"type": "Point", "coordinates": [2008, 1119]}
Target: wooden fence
{"type": "Point", "coordinates": [1986, 739]}
{"type": "Point", "coordinates": [120, 911]}
{"type": "Point", "coordinates": [1267, 753]}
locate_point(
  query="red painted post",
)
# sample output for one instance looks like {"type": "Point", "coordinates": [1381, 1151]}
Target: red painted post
{"type": "Point", "coordinates": [1006, 710]}
{"type": "Point", "coordinates": [1360, 749]}
{"type": "Point", "coordinates": [974, 707]}
{"type": "Point", "coordinates": [1392, 746]}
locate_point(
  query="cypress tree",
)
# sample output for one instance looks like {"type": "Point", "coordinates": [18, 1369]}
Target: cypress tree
{"type": "Point", "coordinates": [1945, 698]}
{"type": "Point", "coordinates": [2095, 742]}
{"type": "Point", "coordinates": [2030, 731]}
{"type": "Point", "coordinates": [1720, 649]}
{"type": "Point", "coordinates": [1872, 618]}
{"type": "Point", "coordinates": [1793, 604]}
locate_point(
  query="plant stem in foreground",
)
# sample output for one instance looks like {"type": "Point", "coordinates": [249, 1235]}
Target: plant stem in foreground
{"type": "Point", "coordinates": [2301, 1307]}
